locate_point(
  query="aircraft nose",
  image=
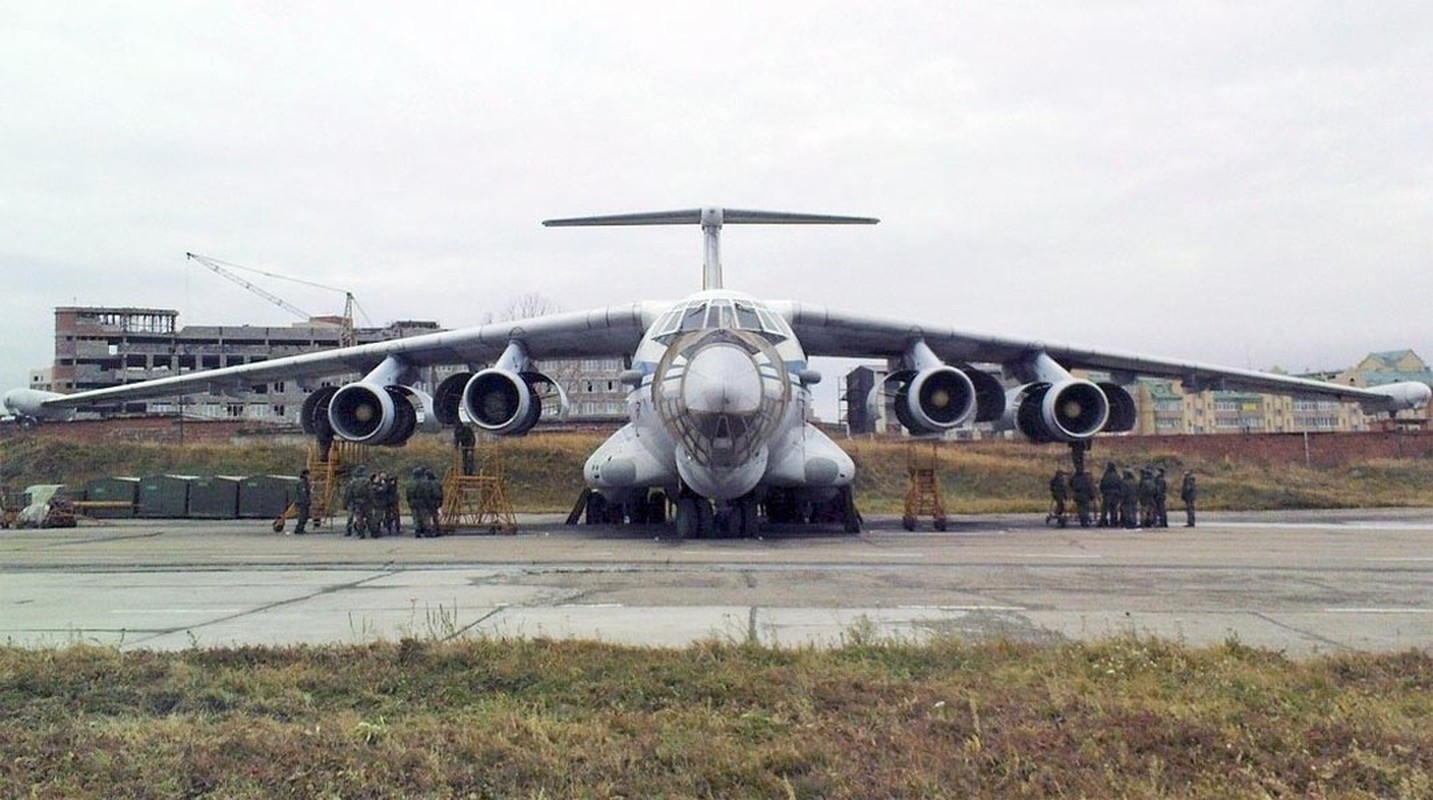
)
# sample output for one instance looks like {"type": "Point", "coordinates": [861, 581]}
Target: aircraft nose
{"type": "Point", "coordinates": [722, 379]}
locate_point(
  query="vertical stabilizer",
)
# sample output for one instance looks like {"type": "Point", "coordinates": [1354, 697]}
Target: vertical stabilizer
{"type": "Point", "coordinates": [711, 219]}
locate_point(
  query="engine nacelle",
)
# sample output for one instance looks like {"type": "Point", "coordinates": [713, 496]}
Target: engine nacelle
{"type": "Point", "coordinates": [379, 415]}
{"type": "Point", "coordinates": [448, 399]}
{"type": "Point", "coordinates": [26, 403]}
{"type": "Point", "coordinates": [1401, 396]}
{"type": "Point", "coordinates": [934, 399]}
{"type": "Point", "coordinates": [503, 402]}
{"type": "Point", "coordinates": [1070, 411]}
{"type": "Point", "coordinates": [1123, 413]}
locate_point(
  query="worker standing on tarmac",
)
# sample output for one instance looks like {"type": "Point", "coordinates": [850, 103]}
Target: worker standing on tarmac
{"type": "Point", "coordinates": [1146, 498]}
{"type": "Point", "coordinates": [1161, 498]}
{"type": "Point", "coordinates": [303, 500]}
{"type": "Point", "coordinates": [433, 502]}
{"type": "Point", "coordinates": [392, 518]}
{"type": "Point", "coordinates": [1059, 494]}
{"type": "Point", "coordinates": [1188, 492]}
{"type": "Point", "coordinates": [1129, 500]}
{"type": "Point", "coordinates": [417, 503]}
{"type": "Point", "coordinates": [357, 486]}
{"type": "Point", "coordinates": [1082, 486]}
{"type": "Point", "coordinates": [1110, 488]}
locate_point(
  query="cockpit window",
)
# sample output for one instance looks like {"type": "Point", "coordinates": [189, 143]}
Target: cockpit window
{"type": "Point", "coordinates": [705, 315]}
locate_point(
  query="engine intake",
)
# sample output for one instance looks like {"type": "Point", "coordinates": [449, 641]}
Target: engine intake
{"type": "Point", "coordinates": [1070, 411]}
{"type": "Point", "coordinates": [503, 402]}
{"type": "Point", "coordinates": [934, 399]}
{"type": "Point", "coordinates": [378, 415]}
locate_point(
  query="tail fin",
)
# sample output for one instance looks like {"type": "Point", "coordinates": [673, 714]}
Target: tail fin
{"type": "Point", "coordinates": [711, 219]}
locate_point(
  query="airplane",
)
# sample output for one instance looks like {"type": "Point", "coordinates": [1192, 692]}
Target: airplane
{"type": "Point", "coordinates": [719, 389]}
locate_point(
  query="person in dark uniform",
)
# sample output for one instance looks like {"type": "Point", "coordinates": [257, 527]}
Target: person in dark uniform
{"type": "Point", "coordinates": [1110, 489]}
{"type": "Point", "coordinates": [433, 502]}
{"type": "Point", "coordinates": [303, 499]}
{"type": "Point", "coordinates": [1129, 500]}
{"type": "Point", "coordinates": [1146, 498]}
{"type": "Point", "coordinates": [392, 518]}
{"type": "Point", "coordinates": [1060, 493]}
{"type": "Point", "coordinates": [355, 500]}
{"type": "Point", "coordinates": [1188, 492]}
{"type": "Point", "coordinates": [1082, 487]}
{"type": "Point", "coordinates": [417, 498]}
{"type": "Point", "coordinates": [1161, 499]}
{"type": "Point", "coordinates": [376, 504]}
{"type": "Point", "coordinates": [466, 442]}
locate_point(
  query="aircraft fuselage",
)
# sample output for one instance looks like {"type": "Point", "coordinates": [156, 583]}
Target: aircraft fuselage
{"type": "Point", "coordinates": [719, 408]}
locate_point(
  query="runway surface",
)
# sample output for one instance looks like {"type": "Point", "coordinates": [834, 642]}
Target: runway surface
{"type": "Point", "coordinates": [1301, 582]}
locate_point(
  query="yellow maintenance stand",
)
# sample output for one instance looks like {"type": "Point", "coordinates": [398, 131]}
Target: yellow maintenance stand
{"type": "Point", "coordinates": [923, 487]}
{"type": "Point", "coordinates": [326, 476]}
{"type": "Point", "coordinates": [477, 501]}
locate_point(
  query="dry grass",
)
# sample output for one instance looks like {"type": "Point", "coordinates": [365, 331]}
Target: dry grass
{"type": "Point", "coordinates": [545, 471]}
{"type": "Point", "coordinates": [1128, 717]}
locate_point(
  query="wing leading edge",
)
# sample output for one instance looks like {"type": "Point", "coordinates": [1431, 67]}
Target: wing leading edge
{"type": "Point", "coordinates": [827, 332]}
{"type": "Point", "coordinates": [610, 331]}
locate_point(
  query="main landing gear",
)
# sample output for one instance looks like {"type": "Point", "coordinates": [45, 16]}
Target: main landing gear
{"type": "Point", "coordinates": [696, 517]}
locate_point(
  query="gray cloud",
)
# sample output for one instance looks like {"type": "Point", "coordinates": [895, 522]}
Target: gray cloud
{"type": "Point", "coordinates": [1246, 185]}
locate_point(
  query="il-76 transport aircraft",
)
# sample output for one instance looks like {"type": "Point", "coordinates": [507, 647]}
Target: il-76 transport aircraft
{"type": "Point", "coordinates": [719, 395]}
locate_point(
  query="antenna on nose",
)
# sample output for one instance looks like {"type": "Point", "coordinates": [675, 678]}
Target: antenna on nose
{"type": "Point", "coordinates": [711, 218]}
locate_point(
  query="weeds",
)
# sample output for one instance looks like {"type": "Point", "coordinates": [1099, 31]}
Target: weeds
{"type": "Point", "coordinates": [1129, 716]}
{"type": "Point", "coordinates": [544, 471]}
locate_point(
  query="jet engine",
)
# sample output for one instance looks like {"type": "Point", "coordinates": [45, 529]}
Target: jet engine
{"type": "Point", "coordinates": [502, 401]}
{"type": "Point", "coordinates": [26, 404]}
{"type": "Point", "coordinates": [1069, 411]}
{"type": "Point", "coordinates": [370, 413]}
{"type": "Point", "coordinates": [1401, 396]}
{"type": "Point", "coordinates": [934, 399]}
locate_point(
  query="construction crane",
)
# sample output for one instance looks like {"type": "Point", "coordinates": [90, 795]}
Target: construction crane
{"type": "Point", "coordinates": [347, 335]}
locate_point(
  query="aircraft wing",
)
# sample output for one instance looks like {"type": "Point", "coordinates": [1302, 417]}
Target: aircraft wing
{"type": "Point", "coordinates": [827, 332]}
{"type": "Point", "coordinates": [610, 331]}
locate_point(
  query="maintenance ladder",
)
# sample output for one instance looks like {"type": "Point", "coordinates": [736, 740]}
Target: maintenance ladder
{"type": "Point", "coordinates": [923, 495]}
{"type": "Point", "coordinates": [477, 501]}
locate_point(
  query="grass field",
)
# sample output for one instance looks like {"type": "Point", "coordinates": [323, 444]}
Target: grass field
{"type": "Point", "coordinates": [545, 471]}
{"type": "Point", "coordinates": [1127, 717]}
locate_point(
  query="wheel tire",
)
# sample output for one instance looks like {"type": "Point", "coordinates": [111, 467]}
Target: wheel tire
{"type": "Point", "coordinates": [750, 520]}
{"type": "Point", "coordinates": [657, 507]}
{"type": "Point", "coordinates": [687, 522]}
{"type": "Point", "coordinates": [596, 508]}
{"type": "Point", "coordinates": [908, 522]}
{"type": "Point", "coordinates": [850, 518]}
{"type": "Point", "coordinates": [706, 518]}
{"type": "Point", "coordinates": [940, 523]}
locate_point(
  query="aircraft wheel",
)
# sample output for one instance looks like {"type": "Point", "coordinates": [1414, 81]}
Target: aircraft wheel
{"type": "Point", "coordinates": [688, 521]}
{"type": "Point", "coordinates": [908, 522]}
{"type": "Point", "coordinates": [940, 523]}
{"type": "Point", "coordinates": [750, 522]}
{"type": "Point", "coordinates": [596, 506]}
{"type": "Point", "coordinates": [657, 507]}
{"type": "Point", "coordinates": [706, 519]}
{"type": "Point", "coordinates": [850, 517]}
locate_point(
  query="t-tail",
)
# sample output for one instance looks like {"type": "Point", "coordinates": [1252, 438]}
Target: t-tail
{"type": "Point", "coordinates": [711, 219]}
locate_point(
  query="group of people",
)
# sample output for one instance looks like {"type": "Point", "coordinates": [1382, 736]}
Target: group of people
{"type": "Point", "coordinates": [1126, 501]}
{"type": "Point", "coordinates": [372, 503]}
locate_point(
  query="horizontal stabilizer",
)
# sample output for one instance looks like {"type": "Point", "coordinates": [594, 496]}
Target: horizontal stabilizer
{"type": "Point", "coordinates": [698, 216]}
{"type": "Point", "coordinates": [711, 219]}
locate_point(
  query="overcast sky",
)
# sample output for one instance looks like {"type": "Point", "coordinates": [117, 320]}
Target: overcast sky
{"type": "Point", "coordinates": [1244, 183]}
